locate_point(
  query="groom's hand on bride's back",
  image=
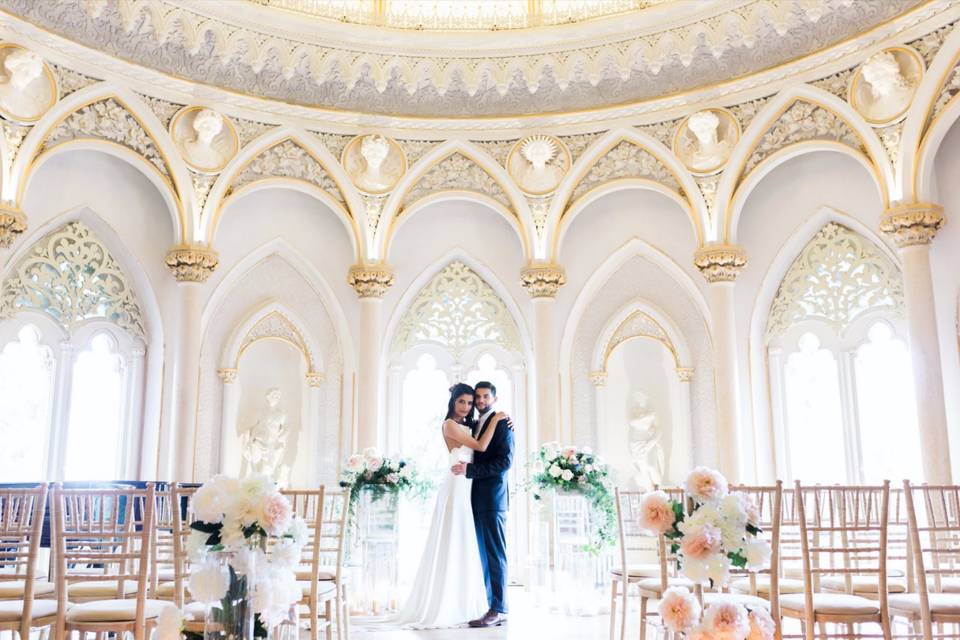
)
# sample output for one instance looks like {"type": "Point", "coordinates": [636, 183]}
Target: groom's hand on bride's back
{"type": "Point", "coordinates": [459, 469]}
{"type": "Point", "coordinates": [504, 416]}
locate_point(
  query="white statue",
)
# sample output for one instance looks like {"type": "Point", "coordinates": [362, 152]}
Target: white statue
{"type": "Point", "coordinates": [708, 150]}
{"type": "Point", "coordinates": [376, 167]}
{"type": "Point", "coordinates": [264, 442]}
{"type": "Point", "coordinates": [539, 174]}
{"type": "Point", "coordinates": [645, 447]}
{"type": "Point", "coordinates": [890, 92]}
{"type": "Point", "coordinates": [23, 91]}
{"type": "Point", "coordinates": [200, 151]}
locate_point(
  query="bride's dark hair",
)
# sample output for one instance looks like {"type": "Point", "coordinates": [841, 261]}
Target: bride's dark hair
{"type": "Point", "coordinates": [457, 390]}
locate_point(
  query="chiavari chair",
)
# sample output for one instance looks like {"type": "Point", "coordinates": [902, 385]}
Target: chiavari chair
{"type": "Point", "coordinates": [21, 525]}
{"type": "Point", "coordinates": [839, 539]}
{"type": "Point", "coordinates": [171, 560]}
{"type": "Point", "coordinates": [309, 506]}
{"type": "Point", "coordinates": [333, 541]}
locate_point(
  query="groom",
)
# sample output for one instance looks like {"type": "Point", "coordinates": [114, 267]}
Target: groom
{"type": "Point", "coordinates": [490, 500]}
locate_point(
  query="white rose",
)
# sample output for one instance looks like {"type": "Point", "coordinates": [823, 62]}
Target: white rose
{"type": "Point", "coordinates": [249, 561]}
{"type": "Point", "coordinates": [168, 623]}
{"type": "Point", "coordinates": [197, 545]}
{"type": "Point", "coordinates": [299, 531]}
{"type": "Point", "coordinates": [355, 463]}
{"type": "Point", "coordinates": [567, 475]}
{"type": "Point", "coordinates": [286, 554]}
{"type": "Point", "coordinates": [208, 582]}
{"type": "Point", "coordinates": [274, 593]}
{"type": "Point", "coordinates": [757, 552]}
{"type": "Point", "coordinates": [556, 471]}
{"type": "Point", "coordinates": [208, 503]}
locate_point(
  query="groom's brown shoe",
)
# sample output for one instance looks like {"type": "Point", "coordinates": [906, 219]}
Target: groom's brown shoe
{"type": "Point", "coordinates": [490, 619]}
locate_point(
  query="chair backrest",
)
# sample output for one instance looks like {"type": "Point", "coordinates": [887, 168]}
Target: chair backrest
{"type": "Point", "coordinates": [635, 540]}
{"type": "Point", "coordinates": [843, 533]}
{"type": "Point", "coordinates": [934, 516]}
{"type": "Point", "coordinates": [21, 525]}
{"type": "Point", "coordinates": [333, 530]}
{"type": "Point", "coordinates": [180, 517]}
{"type": "Point", "coordinates": [308, 505]}
{"type": "Point", "coordinates": [110, 530]}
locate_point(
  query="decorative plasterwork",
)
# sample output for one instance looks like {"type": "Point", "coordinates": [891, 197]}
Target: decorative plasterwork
{"type": "Point", "coordinates": [911, 224]}
{"type": "Point", "coordinates": [639, 325]}
{"type": "Point", "coordinates": [626, 160]}
{"type": "Point", "coordinates": [543, 280]}
{"type": "Point", "coordinates": [720, 263]}
{"type": "Point", "coordinates": [457, 309]}
{"type": "Point", "coordinates": [12, 224]}
{"type": "Point", "coordinates": [838, 276]}
{"type": "Point", "coordinates": [192, 263]}
{"type": "Point", "coordinates": [275, 325]}
{"type": "Point", "coordinates": [338, 66]}
{"type": "Point", "coordinates": [70, 276]}
{"type": "Point", "coordinates": [370, 280]}
{"type": "Point", "coordinates": [456, 172]}
{"type": "Point", "coordinates": [802, 121]}
{"type": "Point", "coordinates": [288, 159]}
{"type": "Point", "coordinates": [108, 120]}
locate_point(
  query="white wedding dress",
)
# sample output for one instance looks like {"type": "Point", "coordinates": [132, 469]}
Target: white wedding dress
{"type": "Point", "coordinates": [449, 588]}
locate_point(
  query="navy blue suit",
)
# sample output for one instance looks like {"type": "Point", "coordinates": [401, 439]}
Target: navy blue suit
{"type": "Point", "coordinates": [490, 496]}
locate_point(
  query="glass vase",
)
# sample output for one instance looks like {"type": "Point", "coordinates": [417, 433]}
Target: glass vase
{"type": "Point", "coordinates": [232, 618]}
{"type": "Point", "coordinates": [377, 529]}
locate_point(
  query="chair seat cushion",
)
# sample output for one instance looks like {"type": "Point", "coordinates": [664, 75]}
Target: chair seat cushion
{"type": "Point", "coordinates": [323, 573]}
{"type": "Point", "coordinates": [166, 589]}
{"type": "Point", "coordinates": [325, 589]}
{"type": "Point", "coordinates": [113, 610]}
{"type": "Point", "coordinates": [10, 589]}
{"type": "Point", "coordinates": [784, 585]}
{"type": "Point", "coordinates": [99, 588]}
{"type": "Point", "coordinates": [942, 603]}
{"type": "Point", "coordinates": [947, 585]}
{"type": "Point", "coordinates": [861, 584]}
{"type": "Point", "coordinates": [652, 585]}
{"type": "Point", "coordinates": [639, 571]}
{"type": "Point", "coordinates": [195, 611]}
{"type": "Point", "coordinates": [166, 575]}
{"type": "Point", "coordinates": [751, 602]}
{"type": "Point", "coordinates": [831, 603]}
{"type": "Point", "coordinates": [12, 610]}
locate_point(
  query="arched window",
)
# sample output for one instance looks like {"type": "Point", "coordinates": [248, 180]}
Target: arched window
{"type": "Point", "coordinates": [85, 405]}
{"type": "Point", "coordinates": [840, 375]}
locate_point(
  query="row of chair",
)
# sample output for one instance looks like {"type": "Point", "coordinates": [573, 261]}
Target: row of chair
{"type": "Point", "coordinates": [119, 556]}
{"type": "Point", "coordinates": [845, 559]}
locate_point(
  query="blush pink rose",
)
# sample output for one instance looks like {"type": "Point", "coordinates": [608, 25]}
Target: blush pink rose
{"type": "Point", "coordinates": [762, 626]}
{"type": "Point", "coordinates": [679, 609]}
{"type": "Point", "coordinates": [276, 514]}
{"type": "Point", "coordinates": [701, 542]}
{"type": "Point", "coordinates": [749, 508]}
{"type": "Point", "coordinates": [727, 620]}
{"type": "Point", "coordinates": [656, 512]}
{"type": "Point", "coordinates": [570, 453]}
{"type": "Point", "coordinates": [705, 485]}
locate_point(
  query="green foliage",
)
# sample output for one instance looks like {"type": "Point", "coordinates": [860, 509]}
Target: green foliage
{"type": "Point", "coordinates": [392, 477]}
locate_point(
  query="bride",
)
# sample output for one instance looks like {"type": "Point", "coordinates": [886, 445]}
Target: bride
{"type": "Point", "coordinates": [449, 587]}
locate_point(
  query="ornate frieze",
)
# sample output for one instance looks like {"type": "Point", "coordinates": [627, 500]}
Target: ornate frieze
{"type": "Point", "coordinates": [12, 223]}
{"type": "Point", "coordinates": [626, 160]}
{"type": "Point", "coordinates": [720, 263]}
{"type": "Point", "coordinates": [457, 309]}
{"type": "Point", "coordinates": [577, 144]}
{"type": "Point", "coordinates": [416, 149]}
{"type": "Point", "coordinates": [543, 280]}
{"type": "Point", "coordinates": [456, 172]}
{"type": "Point", "coordinates": [288, 159]}
{"type": "Point", "coordinates": [70, 80]}
{"type": "Point", "coordinates": [70, 276]}
{"type": "Point", "coordinates": [192, 262]}
{"type": "Point", "coordinates": [275, 325]}
{"type": "Point", "coordinates": [370, 280]}
{"type": "Point", "coordinates": [837, 277]}
{"type": "Point", "coordinates": [910, 224]}
{"type": "Point", "coordinates": [638, 325]}
{"type": "Point", "coordinates": [598, 378]}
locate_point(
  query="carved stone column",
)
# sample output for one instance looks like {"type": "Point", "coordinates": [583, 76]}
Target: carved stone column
{"type": "Point", "coordinates": [681, 437]}
{"type": "Point", "coordinates": [60, 419]}
{"type": "Point", "coordinates": [12, 224]}
{"type": "Point", "coordinates": [599, 381]}
{"type": "Point", "coordinates": [231, 457]}
{"type": "Point", "coordinates": [313, 426]}
{"type": "Point", "coordinates": [720, 266]}
{"type": "Point", "coordinates": [913, 227]}
{"type": "Point", "coordinates": [371, 282]}
{"type": "Point", "coordinates": [542, 281]}
{"type": "Point", "coordinates": [191, 265]}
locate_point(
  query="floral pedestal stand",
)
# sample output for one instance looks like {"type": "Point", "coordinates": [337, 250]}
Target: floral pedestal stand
{"type": "Point", "coordinates": [373, 553]}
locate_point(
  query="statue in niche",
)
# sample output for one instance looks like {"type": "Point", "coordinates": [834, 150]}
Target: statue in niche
{"type": "Point", "coordinates": [644, 443]}
{"type": "Point", "coordinates": [264, 442]}
{"type": "Point", "coordinates": [705, 140]}
{"type": "Point", "coordinates": [375, 163]}
{"type": "Point", "coordinates": [26, 91]}
{"type": "Point", "coordinates": [890, 78]}
{"type": "Point", "coordinates": [207, 140]}
{"type": "Point", "coordinates": [538, 164]}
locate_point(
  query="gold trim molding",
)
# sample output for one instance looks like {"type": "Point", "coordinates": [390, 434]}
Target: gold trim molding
{"type": "Point", "coordinates": [721, 262]}
{"type": "Point", "coordinates": [192, 262]}
{"type": "Point", "coordinates": [912, 224]}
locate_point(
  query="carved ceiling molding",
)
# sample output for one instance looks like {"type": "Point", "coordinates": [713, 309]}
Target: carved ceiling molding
{"type": "Point", "coordinates": [457, 172]}
{"type": "Point", "coordinates": [626, 159]}
{"type": "Point", "coordinates": [276, 326]}
{"type": "Point", "coordinates": [639, 325]}
{"type": "Point", "coordinates": [287, 159]}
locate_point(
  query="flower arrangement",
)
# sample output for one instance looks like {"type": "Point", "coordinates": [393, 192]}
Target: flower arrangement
{"type": "Point", "coordinates": [577, 470]}
{"type": "Point", "coordinates": [239, 517]}
{"type": "Point", "coordinates": [373, 472]}
{"type": "Point", "coordinates": [724, 619]}
{"type": "Point", "coordinates": [721, 531]}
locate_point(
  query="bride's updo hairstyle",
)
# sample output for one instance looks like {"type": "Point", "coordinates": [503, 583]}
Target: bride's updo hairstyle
{"type": "Point", "coordinates": [457, 390]}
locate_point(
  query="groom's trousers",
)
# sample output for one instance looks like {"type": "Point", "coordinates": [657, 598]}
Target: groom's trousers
{"type": "Point", "coordinates": [492, 537]}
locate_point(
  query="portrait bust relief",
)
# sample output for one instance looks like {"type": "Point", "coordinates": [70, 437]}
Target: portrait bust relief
{"type": "Point", "coordinates": [704, 141]}
{"type": "Point", "coordinates": [882, 88]}
{"type": "Point", "coordinates": [538, 164]}
{"type": "Point", "coordinates": [27, 86]}
{"type": "Point", "coordinates": [375, 163]}
{"type": "Point", "coordinates": [207, 139]}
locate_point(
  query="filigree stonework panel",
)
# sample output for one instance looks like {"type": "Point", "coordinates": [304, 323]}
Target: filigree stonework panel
{"type": "Point", "coordinates": [662, 131]}
{"type": "Point", "coordinates": [890, 137]}
{"type": "Point", "coordinates": [13, 135]}
{"type": "Point", "coordinates": [578, 144]}
{"type": "Point", "coordinates": [416, 149]}
{"type": "Point", "coordinates": [746, 111]}
{"type": "Point", "coordinates": [837, 84]}
{"type": "Point", "coordinates": [109, 120]}
{"type": "Point", "coordinates": [72, 277]}
{"type": "Point", "coordinates": [288, 160]}
{"type": "Point", "coordinates": [163, 109]}
{"type": "Point", "coordinates": [498, 149]}
{"type": "Point", "coordinates": [639, 325]}
{"type": "Point", "coordinates": [837, 277]}
{"type": "Point", "coordinates": [802, 121]}
{"type": "Point", "coordinates": [457, 310]}
{"type": "Point", "coordinates": [626, 160]}
{"type": "Point", "coordinates": [334, 142]}
{"type": "Point", "coordinates": [70, 80]}
{"type": "Point", "coordinates": [248, 130]}
{"type": "Point", "coordinates": [457, 172]}
{"type": "Point", "coordinates": [277, 326]}
{"type": "Point", "coordinates": [929, 45]}
{"type": "Point", "coordinates": [950, 88]}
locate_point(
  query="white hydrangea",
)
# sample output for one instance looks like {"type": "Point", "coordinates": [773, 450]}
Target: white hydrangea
{"type": "Point", "coordinates": [208, 582]}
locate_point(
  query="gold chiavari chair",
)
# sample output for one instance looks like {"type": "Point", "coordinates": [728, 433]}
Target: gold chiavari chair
{"type": "Point", "coordinates": [171, 561]}
{"type": "Point", "coordinates": [315, 580]}
{"type": "Point", "coordinates": [839, 539]}
{"type": "Point", "coordinates": [333, 539]}
{"type": "Point", "coordinates": [111, 530]}
{"type": "Point", "coordinates": [21, 524]}
{"type": "Point", "coordinates": [935, 547]}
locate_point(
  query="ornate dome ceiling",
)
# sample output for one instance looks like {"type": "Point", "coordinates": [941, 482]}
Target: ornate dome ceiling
{"type": "Point", "coordinates": [486, 60]}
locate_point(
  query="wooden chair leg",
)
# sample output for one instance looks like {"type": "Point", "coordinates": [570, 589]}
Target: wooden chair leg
{"type": "Point", "coordinates": [613, 608]}
{"type": "Point", "coordinates": [624, 608]}
{"type": "Point", "coordinates": [345, 613]}
{"type": "Point", "coordinates": [643, 619]}
{"type": "Point", "coordinates": [328, 613]}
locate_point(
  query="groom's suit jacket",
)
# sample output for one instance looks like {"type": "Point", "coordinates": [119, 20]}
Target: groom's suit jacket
{"type": "Point", "coordinates": [489, 469]}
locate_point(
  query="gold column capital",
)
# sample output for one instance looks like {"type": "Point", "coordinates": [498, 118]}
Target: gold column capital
{"type": "Point", "coordinates": [543, 280]}
{"type": "Point", "coordinates": [192, 262]}
{"type": "Point", "coordinates": [12, 223]}
{"type": "Point", "coordinates": [228, 376]}
{"type": "Point", "coordinates": [370, 280]}
{"type": "Point", "coordinates": [720, 262]}
{"type": "Point", "coordinates": [912, 223]}
{"type": "Point", "coordinates": [315, 379]}
{"type": "Point", "coordinates": [685, 374]}
{"type": "Point", "coordinates": [598, 378]}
